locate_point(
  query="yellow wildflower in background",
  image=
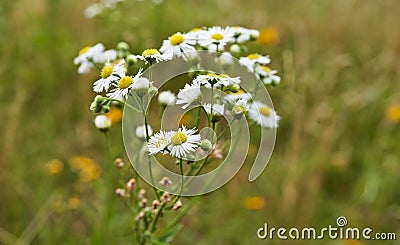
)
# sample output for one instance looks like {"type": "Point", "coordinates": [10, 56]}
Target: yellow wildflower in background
{"type": "Point", "coordinates": [88, 169]}
{"type": "Point", "coordinates": [74, 202]}
{"type": "Point", "coordinates": [115, 114]}
{"type": "Point", "coordinates": [393, 113]}
{"type": "Point", "coordinates": [353, 242]}
{"type": "Point", "coordinates": [268, 35]}
{"type": "Point", "coordinates": [254, 203]}
{"type": "Point", "coordinates": [54, 166]}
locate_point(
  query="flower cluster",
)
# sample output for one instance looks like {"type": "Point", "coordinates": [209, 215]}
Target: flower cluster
{"type": "Point", "coordinates": [122, 76]}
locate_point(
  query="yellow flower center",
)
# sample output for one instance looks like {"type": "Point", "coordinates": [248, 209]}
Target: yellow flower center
{"type": "Point", "coordinates": [217, 75]}
{"type": "Point", "coordinates": [178, 138]}
{"type": "Point", "coordinates": [176, 39]}
{"type": "Point", "coordinates": [149, 52]}
{"type": "Point", "coordinates": [217, 36]}
{"type": "Point", "coordinates": [106, 71]}
{"type": "Point", "coordinates": [253, 56]}
{"type": "Point", "coordinates": [265, 110]}
{"type": "Point", "coordinates": [84, 50]}
{"type": "Point", "coordinates": [265, 68]}
{"type": "Point", "coordinates": [125, 82]}
{"type": "Point", "coordinates": [196, 29]}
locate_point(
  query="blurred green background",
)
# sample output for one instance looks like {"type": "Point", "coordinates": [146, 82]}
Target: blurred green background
{"type": "Point", "coordinates": [337, 151]}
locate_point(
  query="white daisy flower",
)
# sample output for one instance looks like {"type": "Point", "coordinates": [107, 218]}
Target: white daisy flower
{"type": "Point", "coordinates": [217, 80]}
{"type": "Point", "coordinates": [216, 37]}
{"type": "Point", "coordinates": [108, 74]}
{"type": "Point", "coordinates": [124, 86]}
{"type": "Point", "coordinates": [152, 56]}
{"type": "Point", "coordinates": [158, 142]}
{"type": "Point", "coordinates": [141, 131]}
{"type": "Point", "coordinates": [177, 45]}
{"type": "Point", "coordinates": [102, 122]}
{"type": "Point", "coordinates": [216, 110]}
{"type": "Point", "coordinates": [243, 35]}
{"type": "Point", "coordinates": [267, 75]}
{"type": "Point", "coordinates": [189, 94]}
{"type": "Point", "coordinates": [183, 142]}
{"type": "Point", "coordinates": [253, 59]}
{"type": "Point", "coordinates": [194, 35]}
{"type": "Point", "coordinates": [105, 56]}
{"type": "Point", "coordinates": [263, 115]}
{"type": "Point", "coordinates": [85, 57]}
{"type": "Point", "coordinates": [166, 98]}
{"type": "Point", "coordinates": [240, 108]}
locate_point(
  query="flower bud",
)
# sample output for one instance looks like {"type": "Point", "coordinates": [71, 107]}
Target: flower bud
{"type": "Point", "coordinates": [102, 122]}
{"type": "Point", "coordinates": [120, 192]}
{"type": "Point", "coordinates": [131, 59]}
{"type": "Point", "coordinates": [206, 145]}
{"type": "Point", "coordinates": [143, 202]}
{"type": "Point", "coordinates": [165, 197]}
{"type": "Point", "coordinates": [119, 163]}
{"type": "Point", "coordinates": [234, 87]}
{"type": "Point", "coordinates": [131, 184]}
{"type": "Point", "coordinates": [153, 90]}
{"type": "Point", "coordinates": [165, 181]}
{"type": "Point", "coordinates": [156, 204]}
{"type": "Point", "coordinates": [177, 205]}
{"type": "Point", "coordinates": [123, 46]}
{"type": "Point", "coordinates": [142, 194]}
{"type": "Point", "coordinates": [235, 49]}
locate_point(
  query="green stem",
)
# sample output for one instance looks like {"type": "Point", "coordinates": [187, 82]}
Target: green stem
{"type": "Point", "coordinates": [198, 116]}
{"type": "Point", "coordinates": [125, 104]}
{"type": "Point", "coordinates": [159, 211]}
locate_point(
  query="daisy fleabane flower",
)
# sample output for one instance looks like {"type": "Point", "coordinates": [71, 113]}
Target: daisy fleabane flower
{"type": "Point", "coordinates": [85, 57]}
{"type": "Point", "coordinates": [108, 74]}
{"type": "Point", "coordinates": [216, 80]}
{"type": "Point", "coordinates": [124, 85]}
{"type": "Point", "coordinates": [189, 94]}
{"type": "Point", "coordinates": [263, 115]}
{"type": "Point", "coordinates": [252, 59]}
{"type": "Point", "coordinates": [183, 142]}
{"type": "Point", "coordinates": [194, 35]}
{"type": "Point", "coordinates": [177, 45]}
{"type": "Point", "coordinates": [152, 56]}
{"type": "Point", "coordinates": [267, 75]}
{"type": "Point", "coordinates": [158, 143]}
{"type": "Point", "coordinates": [216, 37]}
{"type": "Point", "coordinates": [243, 35]}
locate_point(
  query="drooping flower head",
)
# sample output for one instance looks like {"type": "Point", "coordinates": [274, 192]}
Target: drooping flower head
{"type": "Point", "coordinates": [190, 94]}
